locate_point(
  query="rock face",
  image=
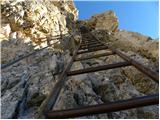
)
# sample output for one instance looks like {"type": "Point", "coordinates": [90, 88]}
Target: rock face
{"type": "Point", "coordinates": [105, 21]}
{"type": "Point", "coordinates": [37, 19]}
{"type": "Point", "coordinates": [28, 26]}
{"type": "Point", "coordinates": [131, 41]}
{"type": "Point", "coordinates": [110, 85]}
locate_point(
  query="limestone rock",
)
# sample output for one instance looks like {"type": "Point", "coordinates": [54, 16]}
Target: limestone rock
{"type": "Point", "coordinates": [131, 41]}
{"type": "Point", "coordinates": [113, 85]}
{"type": "Point", "coordinates": [36, 18]}
{"type": "Point", "coordinates": [27, 86]}
{"type": "Point", "coordinates": [78, 92]}
{"type": "Point", "coordinates": [29, 26]}
{"type": "Point", "coordinates": [104, 21]}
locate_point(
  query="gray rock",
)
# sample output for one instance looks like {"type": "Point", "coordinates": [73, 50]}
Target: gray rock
{"type": "Point", "coordinates": [10, 102]}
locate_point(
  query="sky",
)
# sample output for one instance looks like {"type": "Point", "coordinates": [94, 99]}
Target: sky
{"type": "Point", "coordinates": [136, 16]}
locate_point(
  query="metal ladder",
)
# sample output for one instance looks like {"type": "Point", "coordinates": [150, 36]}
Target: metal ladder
{"type": "Point", "coordinates": [92, 45]}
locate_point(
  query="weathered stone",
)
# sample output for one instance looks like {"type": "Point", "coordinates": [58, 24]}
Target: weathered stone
{"type": "Point", "coordinates": [131, 41]}
{"type": "Point", "coordinates": [25, 85]}
{"type": "Point", "coordinates": [38, 15]}
{"type": "Point", "coordinates": [105, 21]}
{"type": "Point", "coordinates": [10, 101]}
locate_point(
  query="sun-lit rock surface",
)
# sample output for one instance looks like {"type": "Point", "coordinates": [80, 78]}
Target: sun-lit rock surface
{"type": "Point", "coordinates": [104, 21]}
{"type": "Point", "coordinates": [37, 19]}
{"type": "Point", "coordinates": [131, 41]}
{"type": "Point", "coordinates": [27, 26]}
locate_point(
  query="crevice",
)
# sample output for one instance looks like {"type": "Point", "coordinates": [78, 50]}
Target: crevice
{"type": "Point", "coordinates": [21, 106]}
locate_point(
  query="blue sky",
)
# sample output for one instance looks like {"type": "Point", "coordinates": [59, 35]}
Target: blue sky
{"type": "Point", "coordinates": [136, 16]}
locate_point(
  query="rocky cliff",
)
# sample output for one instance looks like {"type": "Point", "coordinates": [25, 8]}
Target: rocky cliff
{"type": "Point", "coordinates": [32, 25]}
{"type": "Point", "coordinates": [28, 26]}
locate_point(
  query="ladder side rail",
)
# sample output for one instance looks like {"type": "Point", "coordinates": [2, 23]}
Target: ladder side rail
{"type": "Point", "coordinates": [135, 63]}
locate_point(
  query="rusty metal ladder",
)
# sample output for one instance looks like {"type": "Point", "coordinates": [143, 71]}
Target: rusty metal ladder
{"type": "Point", "coordinates": [92, 46]}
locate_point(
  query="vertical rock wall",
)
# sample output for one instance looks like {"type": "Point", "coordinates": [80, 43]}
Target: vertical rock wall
{"type": "Point", "coordinates": [37, 19]}
{"type": "Point", "coordinates": [28, 26]}
{"type": "Point", "coordinates": [128, 82]}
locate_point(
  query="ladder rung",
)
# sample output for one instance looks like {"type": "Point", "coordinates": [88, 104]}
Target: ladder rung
{"type": "Point", "coordinates": [93, 49]}
{"type": "Point", "coordinates": [90, 46]}
{"type": "Point", "coordinates": [152, 74]}
{"type": "Point", "coordinates": [94, 56]}
{"type": "Point", "coordinates": [105, 108]}
{"type": "Point", "coordinates": [90, 42]}
{"type": "Point", "coordinates": [98, 68]}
